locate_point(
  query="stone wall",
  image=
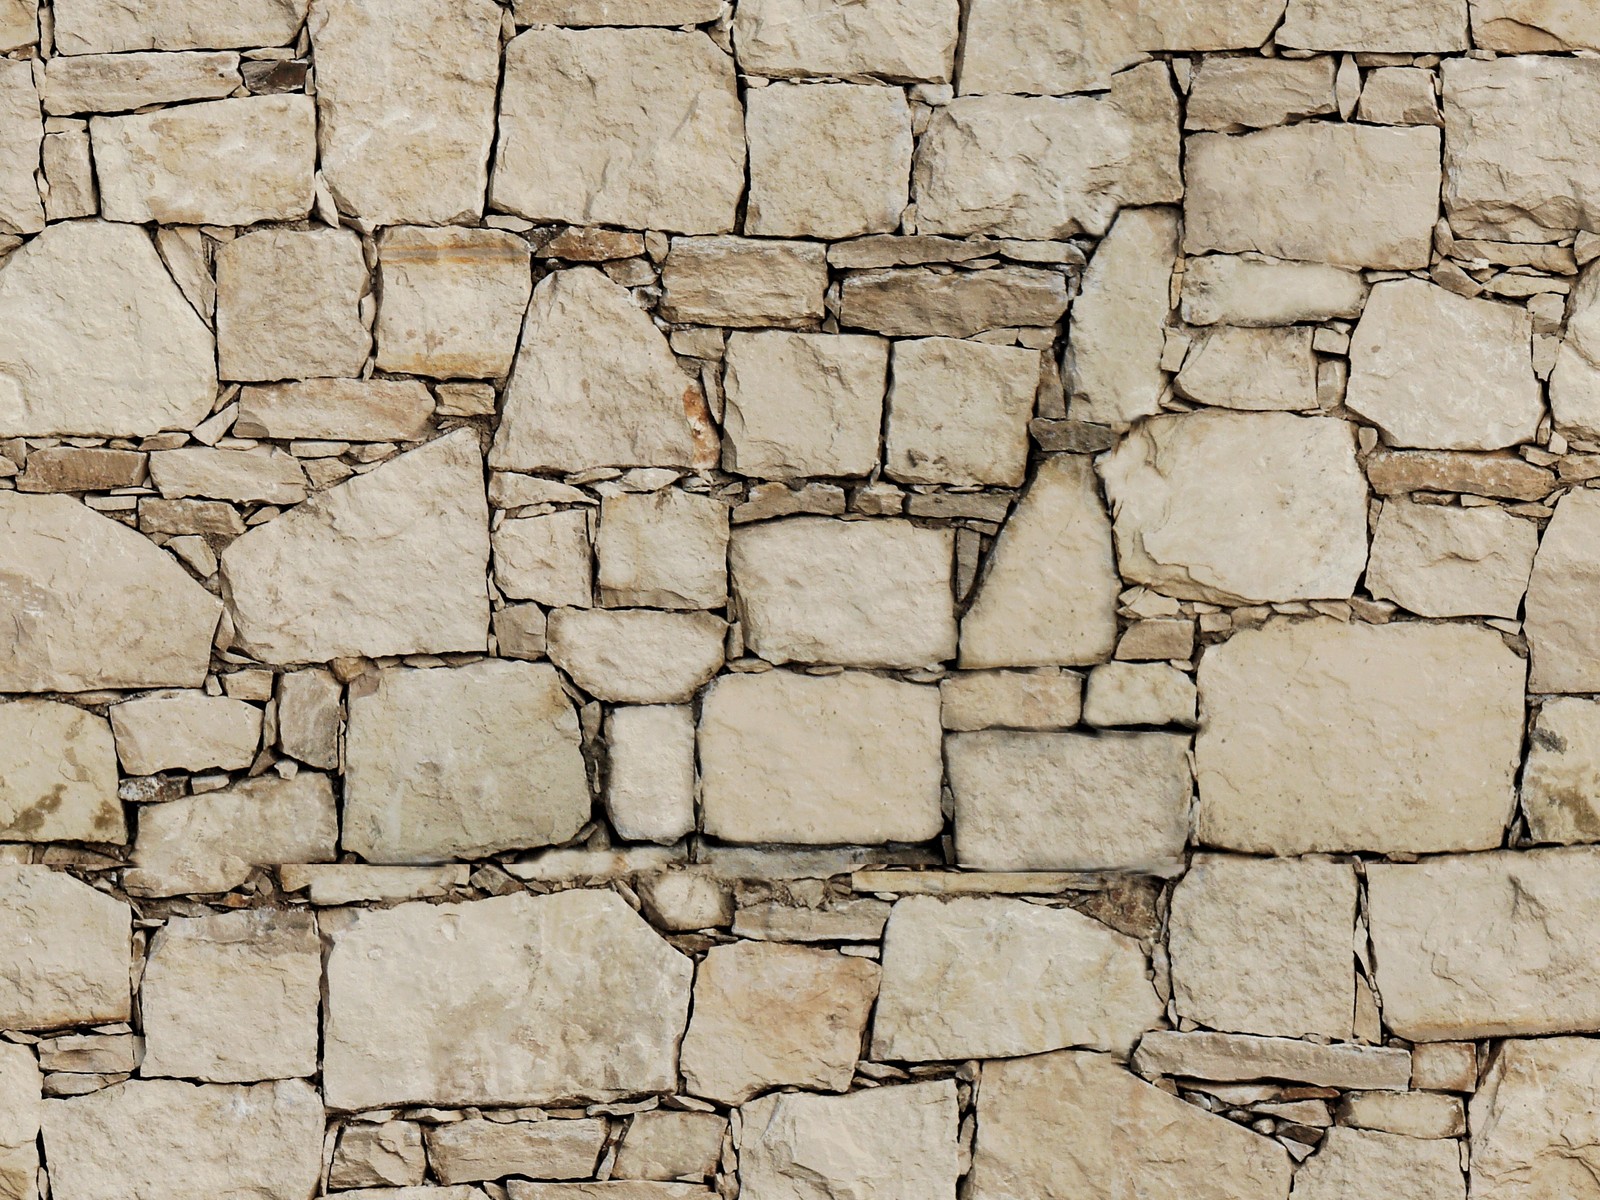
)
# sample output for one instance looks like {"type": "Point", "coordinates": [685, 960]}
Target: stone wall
{"type": "Point", "coordinates": [799, 599]}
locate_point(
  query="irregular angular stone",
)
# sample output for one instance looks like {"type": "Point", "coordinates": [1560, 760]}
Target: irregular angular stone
{"type": "Point", "coordinates": [476, 1149]}
{"type": "Point", "coordinates": [632, 127]}
{"type": "Point", "coordinates": [1046, 166]}
{"type": "Point", "coordinates": [462, 762]}
{"type": "Point", "coordinates": [1353, 1163]}
{"type": "Point", "coordinates": [58, 775]}
{"type": "Point", "coordinates": [65, 961]}
{"type": "Point", "coordinates": [907, 40]}
{"type": "Point", "coordinates": [21, 1088]}
{"type": "Point", "coordinates": [1263, 946]}
{"type": "Point", "coordinates": [1533, 1120]}
{"type": "Point", "coordinates": [147, 1138]}
{"type": "Point", "coordinates": [1443, 561]}
{"type": "Point", "coordinates": [637, 655]}
{"type": "Point", "coordinates": [91, 83]}
{"type": "Point", "coordinates": [386, 1154]}
{"type": "Point", "coordinates": [1411, 1114]}
{"type": "Point", "coordinates": [1226, 289]}
{"type": "Point", "coordinates": [768, 1015]}
{"type": "Point", "coordinates": [1234, 94]}
{"type": "Point", "coordinates": [453, 300]}
{"type": "Point", "coordinates": [1399, 96]}
{"type": "Point", "coordinates": [86, 602]}
{"type": "Point", "coordinates": [1040, 699]}
{"type": "Point", "coordinates": [309, 717]}
{"type": "Point", "coordinates": [1564, 643]}
{"type": "Point", "coordinates": [232, 997]}
{"type": "Point", "coordinates": [744, 282]}
{"type": "Point", "coordinates": [21, 135]}
{"type": "Point", "coordinates": [1488, 945]}
{"type": "Point", "coordinates": [1049, 595]}
{"type": "Point", "coordinates": [1086, 984]}
{"type": "Point", "coordinates": [958, 412]}
{"type": "Point", "coordinates": [851, 758]}
{"type": "Point", "coordinates": [392, 562]}
{"type": "Point", "coordinates": [1561, 777]}
{"type": "Point", "coordinates": [265, 475]}
{"type": "Point", "coordinates": [861, 593]}
{"type": "Point", "coordinates": [96, 339]}
{"type": "Point", "coordinates": [1079, 1125]}
{"type": "Point", "coordinates": [1349, 195]}
{"type": "Point", "coordinates": [19, 23]}
{"type": "Point", "coordinates": [1407, 26]}
{"type": "Point", "coordinates": [1188, 524]}
{"type": "Point", "coordinates": [87, 469]}
{"type": "Point", "coordinates": [669, 1145]}
{"type": "Point", "coordinates": [545, 558]}
{"type": "Point", "coordinates": [666, 549]}
{"type": "Point", "coordinates": [1433, 721]}
{"type": "Point", "coordinates": [568, 409]}
{"type": "Point", "coordinates": [1069, 801]}
{"type": "Point", "coordinates": [1254, 369]}
{"type": "Point", "coordinates": [1230, 1057]}
{"type": "Point", "coordinates": [1394, 473]}
{"type": "Point", "coordinates": [650, 772]}
{"type": "Point", "coordinates": [405, 106]}
{"type": "Point", "coordinates": [1575, 379]}
{"type": "Point", "coordinates": [185, 731]}
{"type": "Point", "coordinates": [1521, 26]}
{"type": "Point", "coordinates": [1147, 693]}
{"type": "Point", "coordinates": [355, 410]}
{"type": "Point", "coordinates": [188, 165]}
{"type": "Point", "coordinates": [541, 958]}
{"type": "Point", "coordinates": [96, 26]}
{"type": "Point", "coordinates": [918, 302]}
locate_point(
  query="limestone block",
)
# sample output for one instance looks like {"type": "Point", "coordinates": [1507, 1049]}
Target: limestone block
{"type": "Point", "coordinates": [958, 412]}
{"type": "Point", "coordinates": [1533, 1121]}
{"type": "Point", "coordinates": [650, 777]}
{"type": "Point", "coordinates": [356, 410]}
{"type": "Point", "coordinates": [185, 731]}
{"type": "Point", "coordinates": [744, 282]}
{"type": "Point", "coordinates": [637, 655]}
{"type": "Point", "coordinates": [1229, 289]}
{"type": "Point", "coordinates": [544, 558]}
{"type": "Point", "coordinates": [264, 475]}
{"type": "Point", "coordinates": [906, 40]}
{"type": "Point", "coordinates": [95, 26]}
{"type": "Point", "coordinates": [1564, 643]}
{"type": "Point", "coordinates": [66, 959]}
{"type": "Point", "coordinates": [1443, 561]}
{"type": "Point", "coordinates": [474, 1149]}
{"type": "Point", "coordinates": [1234, 94]}
{"type": "Point", "coordinates": [669, 1145]}
{"type": "Point", "coordinates": [1352, 1163]}
{"type": "Point", "coordinates": [666, 549]}
{"type": "Point", "coordinates": [1253, 369]}
{"type": "Point", "coordinates": [1406, 26]}
{"type": "Point", "coordinates": [58, 775]}
{"type": "Point", "coordinates": [91, 83]}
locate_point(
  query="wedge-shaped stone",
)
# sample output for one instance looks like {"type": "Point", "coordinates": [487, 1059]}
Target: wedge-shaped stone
{"type": "Point", "coordinates": [354, 410]}
{"type": "Point", "coordinates": [160, 1137]}
{"type": "Point", "coordinates": [1069, 801]}
{"type": "Point", "coordinates": [919, 302]}
{"type": "Point", "coordinates": [96, 339]}
{"type": "Point", "coordinates": [1190, 524]}
{"type": "Point", "coordinates": [96, 26]}
{"type": "Point", "coordinates": [1533, 1121]}
{"type": "Point", "coordinates": [21, 134]}
{"type": "Point", "coordinates": [65, 959]}
{"type": "Point", "coordinates": [637, 655]}
{"type": "Point", "coordinates": [1226, 289]}
{"type": "Point", "coordinates": [851, 758]}
{"type": "Point", "coordinates": [958, 412]}
{"type": "Point", "coordinates": [475, 1149]}
{"type": "Point", "coordinates": [1079, 1126]}
{"type": "Point", "coordinates": [1407, 26]}
{"type": "Point", "coordinates": [462, 762]}
{"type": "Point", "coordinates": [568, 409]}
{"type": "Point", "coordinates": [1234, 94]}
{"type": "Point", "coordinates": [1520, 26]}
{"type": "Point", "coordinates": [1561, 776]}
{"type": "Point", "coordinates": [1353, 1163]}
{"type": "Point", "coordinates": [1433, 715]}
{"type": "Point", "coordinates": [392, 562]}
{"type": "Point", "coordinates": [1562, 591]}
{"type": "Point", "coordinates": [453, 300]}
{"type": "Point", "coordinates": [264, 475]}
{"type": "Point", "coordinates": [85, 602]}
{"type": "Point", "coordinates": [1234, 1057]}
{"type": "Point", "coordinates": [1049, 594]}
{"type": "Point", "coordinates": [1443, 561]}
{"type": "Point", "coordinates": [185, 731]}
{"type": "Point", "coordinates": [1350, 195]}
{"type": "Point", "coordinates": [1488, 945]}
{"type": "Point", "coordinates": [1072, 982]}
{"type": "Point", "coordinates": [634, 127]}
{"type": "Point", "coordinates": [1257, 370]}
{"type": "Point", "coordinates": [1046, 166]}
{"type": "Point", "coordinates": [58, 775]}
{"type": "Point", "coordinates": [396, 978]}
{"type": "Point", "coordinates": [93, 83]}
{"type": "Point", "coordinates": [908, 40]}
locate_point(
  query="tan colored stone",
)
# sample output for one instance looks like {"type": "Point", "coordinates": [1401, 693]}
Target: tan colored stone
{"type": "Point", "coordinates": [185, 731]}
{"type": "Point", "coordinates": [93, 83]}
{"type": "Point", "coordinates": [958, 412]}
{"type": "Point", "coordinates": [1521, 26]}
{"type": "Point", "coordinates": [68, 175]}
{"type": "Point", "coordinates": [669, 1145]}
{"type": "Point", "coordinates": [309, 717]}
{"type": "Point", "coordinates": [918, 302]}
{"type": "Point", "coordinates": [1234, 1057]}
{"type": "Point", "coordinates": [1401, 27]}
{"type": "Point", "coordinates": [66, 957]}
{"type": "Point", "coordinates": [387, 1154]}
{"type": "Point", "coordinates": [620, 1189]}
{"type": "Point", "coordinates": [1410, 1114]}
{"type": "Point", "coordinates": [81, 469]}
{"type": "Point", "coordinates": [265, 475]}
{"type": "Point", "coordinates": [637, 655]}
{"type": "Point", "coordinates": [545, 558]}
{"type": "Point", "coordinates": [1563, 640]}
{"type": "Point", "coordinates": [666, 549]}
{"type": "Point", "coordinates": [1254, 369]}
{"type": "Point", "coordinates": [1226, 289]}
{"type": "Point", "coordinates": [1445, 1066]}
{"type": "Point", "coordinates": [1443, 561]}
{"type": "Point", "coordinates": [453, 300]}
{"type": "Point", "coordinates": [1394, 473]}
{"type": "Point", "coordinates": [650, 772]}
{"type": "Point", "coordinates": [96, 26]}
{"type": "Point", "coordinates": [1561, 776]}
{"type": "Point", "coordinates": [899, 39]}
{"type": "Point", "coordinates": [19, 23]}
{"type": "Point", "coordinates": [58, 775]}
{"type": "Point", "coordinates": [476, 1149]}
{"type": "Point", "coordinates": [616, 12]}
{"type": "Point", "coordinates": [1044, 698]}
{"type": "Point", "coordinates": [21, 132]}
{"type": "Point", "coordinates": [1534, 1122]}
{"type": "Point", "coordinates": [744, 282]}
{"type": "Point", "coordinates": [356, 410]}
{"type": "Point", "coordinates": [1399, 96]}
{"type": "Point", "coordinates": [1149, 693]}
{"type": "Point", "coordinates": [1235, 94]}
{"type": "Point", "coordinates": [1352, 1164]}
{"type": "Point", "coordinates": [20, 1094]}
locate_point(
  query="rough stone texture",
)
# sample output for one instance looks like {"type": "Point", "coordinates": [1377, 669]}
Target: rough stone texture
{"type": "Point", "coordinates": [666, 549]}
{"type": "Point", "coordinates": [58, 775]}
{"type": "Point", "coordinates": [1575, 379]}
{"type": "Point", "coordinates": [1533, 1121]}
{"type": "Point", "coordinates": [247, 476]}
{"type": "Point", "coordinates": [477, 1149]}
{"type": "Point", "coordinates": [66, 959]}
{"type": "Point", "coordinates": [1228, 289]}
{"type": "Point", "coordinates": [185, 731]}
{"type": "Point", "coordinates": [20, 1094]}
{"type": "Point", "coordinates": [1230, 1057]}
{"type": "Point", "coordinates": [744, 282]}
{"type": "Point", "coordinates": [1408, 26]}
{"type": "Point", "coordinates": [918, 302]}
{"type": "Point", "coordinates": [650, 778]}
{"type": "Point", "coordinates": [1039, 699]}
{"type": "Point", "coordinates": [1564, 644]}
{"type": "Point", "coordinates": [1353, 1163]}
{"type": "Point", "coordinates": [668, 1145]}
{"type": "Point", "coordinates": [379, 1155]}
{"type": "Point", "coordinates": [545, 558]}
{"type": "Point", "coordinates": [358, 410]}
{"type": "Point", "coordinates": [1234, 94]}
{"type": "Point", "coordinates": [958, 412]}
{"type": "Point", "coordinates": [309, 716]}
{"type": "Point", "coordinates": [637, 655]}
{"type": "Point", "coordinates": [1560, 792]}
{"type": "Point", "coordinates": [1518, 26]}
{"type": "Point", "coordinates": [21, 130]}
{"type": "Point", "coordinates": [1443, 561]}
{"type": "Point", "coordinates": [89, 83]}
{"type": "Point", "coordinates": [898, 39]}
{"type": "Point", "coordinates": [1252, 369]}
{"type": "Point", "coordinates": [94, 26]}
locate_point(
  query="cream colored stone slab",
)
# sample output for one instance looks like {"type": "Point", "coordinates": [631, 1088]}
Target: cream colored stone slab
{"type": "Point", "coordinates": [356, 410]}
{"type": "Point", "coordinates": [1410, 1114]}
{"type": "Point", "coordinates": [69, 176]}
{"type": "Point", "coordinates": [353, 883]}
{"type": "Point", "coordinates": [185, 731]}
{"type": "Point", "coordinates": [1190, 523]}
{"type": "Point", "coordinates": [86, 602]}
{"type": "Point", "coordinates": [264, 475]}
{"type": "Point", "coordinates": [919, 302]}
{"type": "Point", "coordinates": [1079, 1126]}
{"type": "Point", "coordinates": [1355, 1163]}
{"type": "Point", "coordinates": [453, 300]}
{"type": "Point", "coordinates": [309, 716]}
{"type": "Point", "coordinates": [744, 282]}
{"type": "Point", "coordinates": [634, 127]}
{"type": "Point", "coordinates": [19, 23]}
{"type": "Point", "coordinates": [1235, 1057]}
{"type": "Point", "coordinates": [219, 162]}
{"type": "Point", "coordinates": [1575, 379]}
{"type": "Point", "coordinates": [462, 762]}
{"type": "Point", "coordinates": [1142, 693]}
{"type": "Point", "coordinates": [545, 558]}
{"type": "Point", "coordinates": [1432, 721]}
{"type": "Point", "coordinates": [1257, 370]}
{"type": "Point", "coordinates": [95, 83]}
{"type": "Point", "coordinates": [21, 135]}
{"type": "Point", "coordinates": [619, 1189]}
{"type": "Point", "coordinates": [908, 40]}
{"type": "Point", "coordinates": [534, 961]}
{"type": "Point", "coordinates": [97, 26]}
{"type": "Point", "coordinates": [850, 758]}
{"type": "Point", "coordinates": [669, 1145]}
{"type": "Point", "coordinates": [1561, 774]}
{"type": "Point", "coordinates": [392, 562]}
{"type": "Point", "coordinates": [666, 549]}
{"type": "Point", "coordinates": [958, 412]}
{"type": "Point", "coordinates": [650, 772]}
{"type": "Point", "coordinates": [1069, 801]}
{"type": "Point", "coordinates": [65, 960]}
{"type": "Point", "coordinates": [616, 12]}
{"type": "Point", "coordinates": [1400, 27]}
{"type": "Point", "coordinates": [58, 775]}
{"type": "Point", "coordinates": [1400, 96]}
{"type": "Point", "coordinates": [1235, 94]}
{"type": "Point", "coordinates": [1070, 981]}
{"type": "Point", "coordinates": [1563, 640]}
{"type": "Point", "coordinates": [1443, 561]}
{"type": "Point", "coordinates": [1227, 289]}
{"type": "Point", "coordinates": [1347, 195]}
{"type": "Point", "coordinates": [1534, 1121]}
{"type": "Point", "coordinates": [637, 655]}
{"type": "Point", "coordinates": [475, 1149]}
{"type": "Point", "coordinates": [21, 1087]}
{"type": "Point", "coordinates": [1520, 26]}
{"type": "Point", "coordinates": [1045, 698]}
{"type": "Point", "coordinates": [386, 1154]}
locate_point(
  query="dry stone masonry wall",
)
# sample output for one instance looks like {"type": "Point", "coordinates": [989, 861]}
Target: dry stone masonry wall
{"type": "Point", "coordinates": [799, 599]}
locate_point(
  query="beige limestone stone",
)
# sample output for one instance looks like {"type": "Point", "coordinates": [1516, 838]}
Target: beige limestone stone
{"type": "Point", "coordinates": [637, 655]}
{"type": "Point", "coordinates": [666, 549]}
{"type": "Point", "coordinates": [1069, 801]}
{"type": "Point", "coordinates": [20, 1094]}
{"type": "Point", "coordinates": [1563, 641]}
{"type": "Point", "coordinates": [1443, 561]}
{"type": "Point", "coordinates": [545, 558]}
{"type": "Point", "coordinates": [1049, 593]}
{"type": "Point", "coordinates": [1347, 195]}
{"type": "Point", "coordinates": [650, 773]}
{"type": "Point", "coordinates": [1410, 1114]}
{"type": "Point", "coordinates": [1078, 1125]}
{"type": "Point", "coordinates": [860, 593]}
{"type": "Point", "coordinates": [264, 475]}
{"type": "Point", "coordinates": [1229, 289]}
{"type": "Point", "coordinates": [164, 1138]}
{"type": "Point", "coordinates": [669, 1145]}
{"type": "Point", "coordinates": [1401, 27]}
{"type": "Point", "coordinates": [1353, 1163]}
{"type": "Point", "coordinates": [891, 1143]}
{"type": "Point", "coordinates": [1534, 1122]}
{"type": "Point", "coordinates": [1148, 693]}
{"type": "Point", "coordinates": [185, 731]}
{"type": "Point", "coordinates": [1046, 166]}
{"type": "Point", "coordinates": [309, 717]}
{"type": "Point", "coordinates": [21, 134]}
{"type": "Point", "coordinates": [69, 188]}
{"type": "Point", "coordinates": [634, 127]}
{"type": "Point", "coordinates": [474, 1149]}
{"type": "Point", "coordinates": [616, 12]}
{"type": "Point", "coordinates": [1432, 729]}
{"type": "Point", "coordinates": [219, 162]}
{"type": "Point", "coordinates": [96, 339]}
{"type": "Point", "coordinates": [392, 562]}
{"type": "Point", "coordinates": [96, 26]}
{"type": "Point", "coordinates": [1399, 96]}
{"type": "Point", "coordinates": [1397, 472]}
{"type": "Point", "coordinates": [1446, 1066]}
{"type": "Point", "coordinates": [1113, 360]}
{"type": "Point", "coordinates": [380, 1154]}
{"type": "Point", "coordinates": [621, 1189]}
{"type": "Point", "coordinates": [65, 960]}
{"type": "Point", "coordinates": [1254, 369]}
{"type": "Point", "coordinates": [898, 39]}
{"type": "Point", "coordinates": [356, 410]}
{"type": "Point", "coordinates": [850, 758]}
{"type": "Point", "coordinates": [405, 106]}
{"type": "Point", "coordinates": [1575, 378]}
{"type": "Point", "coordinates": [1044, 698]}
{"type": "Point", "coordinates": [19, 23]}
{"type": "Point", "coordinates": [94, 83]}
{"type": "Point", "coordinates": [567, 408]}
{"type": "Point", "coordinates": [958, 412]}
{"type": "Point", "coordinates": [1070, 981]}
{"type": "Point", "coordinates": [1520, 26]}
{"type": "Point", "coordinates": [744, 282]}
{"type": "Point", "coordinates": [1234, 94]}
{"type": "Point", "coordinates": [58, 775]}
{"type": "Point", "coordinates": [1190, 524]}
{"type": "Point", "coordinates": [232, 997]}
{"type": "Point", "coordinates": [88, 603]}
{"type": "Point", "coordinates": [1561, 775]}
{"type": "Point", "coordinates": [919, 302]}
{"type": "Point", "coordinates": [768, 1015]}
{"type": "Point", "coordinates": [526, 964]}
{"type": "Point", "coordinates": [74, 469]}
{"type": "Point", "coordinates": [1232, 1057]}
{"type": "Point", "coordinates": [803, 403]}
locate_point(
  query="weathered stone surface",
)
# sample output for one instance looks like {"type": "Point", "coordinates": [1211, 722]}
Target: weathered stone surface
{"type": "Point", "coordinates": [265, 475]}
{"type": "Point", "coordinates": [1049, 595]}
{"type": "Point", "coordinates": [88, 603]}
{"type": "Point", "coordinates": [1234, 94]}
{"type": "Point", "coordinates": [621, 1189]}
{"type": "Point", "coordinates": [1408, 26]}
{"type": "Point", "coordinates": [357, 410]}
{"type": "Point", "coordinates": [81, 469]}
{"type": "Point", "coordinates": [1533, 1121]}
{"type": "Point", "coordinates": [637, 655]}
{"type": "Point", "coordinates": [1069, 801]}
{"type": "Point", "coordinates": [65, 961]}
{"type": "Point", "coordinates": [1443, 561]}
{"type": "Point", "coordinates": [1432, 729]}
{"type": "Point", "coordinates": [1564, 642]}
{"type": "Point", "coordinates": [453, 300]}
{"type": "Point", "coordinates": [1145, 693]}
{"type": "Point", "coordinates": [666, 549]}
{"type": "Point", "coordinates": [91, 83]}
{"type": "Point", "coordinates": [1410, 1114]}
{"type": "Point", "coordinates": [1079, 1125]}
{"type": "Point", "coordinates": [185, 731]}
{"type": "Point", "coordinates": [58, 775]}
{"type": "Point", "coordinates": [535, 960]}
{"type": "Point", "coordinates": [475, 1149]}
{"type": "Point", "coordinates": [21, 132]}
{"type": "Point", "coordinates": [1394, 473]}
{"type": "Point", "coordinates": [96, 26]}
{"type": "Point", "coordinates": [162, 1138]}
{"type": "Point", "coordinates": [19, 23]}
{"type": "Point", "coordinates": [384, 1154]}
{"type": "Point", "coordinates": [1488, 945]}
{"type": "Point", "coordinates": [545, 558]}
{"type": "Point", "coordinates": [669, 1145]}
{"type": "Point", "coordinates": [405, 106]}
{"type": "Point", "coordinates": [744, 282]}
{"type": "Point", "coordinates": [650, 772]}
{"type": "Point", "coordinates": [1520, 26]}
{"type": "Point", "coordinates": [1349, 195]}
{"type": "Point", "coordinates": [1257, 370]}
{"type": "Point", "coordinates": [1352, 1163]}
{"type": "Point", "coordinates": [615, 12]}
{"type": "Point", "coordinates": [634, 127]}
{"type": "Point", "coordinates": [20, 1094]}
{"type": "Point", "coordinates": [1044, 698]}
{"type": "Point", "coordinates": [919, 302]}
{"type": "Point", "coordinates": [392, 562]}
{"type": "Point", "coordinates": [232, 997]}
{"type": "Point", "coordinates": [462, 762]}
{"type": "Point", "coordinates": [1230, 1057]}
{"type": "Point", "coordinates": [1226, 289]}
{"type": "Point", "coordinates": [901, 39]}
{"type": "Point", "coordinates": [309, 717]}
{"type": "Point", "coordinates": [851, 758]}
{"type": "Point", "coordinates": [1189, 524]}
{"type": "Point", "coordinates": [1575, 378]}
{"type": "Point", "coordinates": [1399, 96]}
{"type": "Point", "coordinates": [191, 165]}
{"type": "Point", "coordinates": [1561, 776]}
{"type": "Point", "coordinates": [958, 412]}
{"type": "Point", "coordinates": [1085, 984]}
